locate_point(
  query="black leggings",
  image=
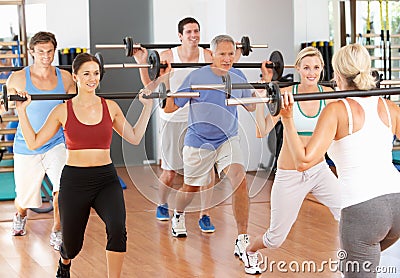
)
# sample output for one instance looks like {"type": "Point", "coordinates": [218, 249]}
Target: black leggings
{"type": "Point", "coordinates": [83, 188]}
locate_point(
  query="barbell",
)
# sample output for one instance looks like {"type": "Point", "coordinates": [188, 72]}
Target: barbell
{"type": "Point", "coordinates": [273, 99]}
{"type": "Point", "coordinates": [283, 84]}
{"type": "Point", "coordinates": [228, 86]}
{"type": "Point", "coordinates": [258, 85]}
{"type": "Point", "coordinates": [161, 94]}
{"type": "Point", "coordinates": [129, 46]}
{"type": "Point", "coordinates": [154, 65]}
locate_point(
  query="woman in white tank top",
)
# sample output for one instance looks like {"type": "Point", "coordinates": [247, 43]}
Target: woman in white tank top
{"type": "Point", "coordinates": [359, 134]}
{"type": "Point", "coordinates": [291, 186]}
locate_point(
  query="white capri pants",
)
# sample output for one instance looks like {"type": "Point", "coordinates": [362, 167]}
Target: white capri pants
{"type": "Point", "coordinates": [29, 171]}
{"type": "Point", "coordinates": [288, 193]}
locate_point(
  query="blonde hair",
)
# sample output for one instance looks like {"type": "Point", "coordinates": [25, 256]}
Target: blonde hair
{"type": "Point", "coordinates": [309, 51]}
{"type": "Point", "coordinates": [353, 63]}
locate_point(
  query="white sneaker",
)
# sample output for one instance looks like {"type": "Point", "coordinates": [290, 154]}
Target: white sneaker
{"type": "Point", "coordinates": [56, 240]}
{"type": "Point", "coordinates": [19, 223]}
{"type": "Point", "coordinates": [241, 244]}
{"type": "Point", "coordinates": [252, 264]}
{"type": "Point", "coordinates": [178, 225]}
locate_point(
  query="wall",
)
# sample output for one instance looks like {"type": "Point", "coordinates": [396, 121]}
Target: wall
{"type": "Point", "coordinates": [68, 21]}
{"type": "Point", "coordinates": [210, 15]}
{"type": "Point", "coordinates": [310, 25]}
{"type": "Point", "coordinates": [110, 22]}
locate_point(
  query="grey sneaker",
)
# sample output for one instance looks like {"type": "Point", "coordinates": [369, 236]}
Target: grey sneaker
{"type": "Point", "coordinates": [178, 225]}
{"type": "Point", "coordinates": [252, 263]}
{"type": "Point", "coordinates": [241, 244]}
{"type": "Point", "coordinates": [56, 240]}
{"type": "Point", "coordinates": [19, 223]}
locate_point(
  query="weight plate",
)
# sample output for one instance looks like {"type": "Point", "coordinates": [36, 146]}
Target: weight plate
{"type": "Point", "coordinates": [153, 60]}
{"type": "Point", "coordinates": [276, 101]}
{"type": "Point", "coordinates": [246, 48]}
{"type": "Point", "coordinates": [277, 58]}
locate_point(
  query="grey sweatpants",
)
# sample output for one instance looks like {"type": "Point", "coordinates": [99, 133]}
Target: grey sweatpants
{"type": "Point", "coordinates": [366, 229]}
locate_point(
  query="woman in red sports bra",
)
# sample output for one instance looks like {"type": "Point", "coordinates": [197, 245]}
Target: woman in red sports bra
{"type": "Point", "coordinates": [89, 179]}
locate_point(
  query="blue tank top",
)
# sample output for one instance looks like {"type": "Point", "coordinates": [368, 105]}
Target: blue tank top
{"type": "Point", "coordinates": [37, 112]}
{"type": "Point", "coordinates": [304, 124]}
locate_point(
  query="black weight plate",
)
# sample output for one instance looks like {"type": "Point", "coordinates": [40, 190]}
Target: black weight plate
{"type": "Point", "coordinates": [153, 60]}
{"type": "Point", "coordinates": [277, 58]}
{"type": "Point", "coordinates": [246, 48]}
{"type": "Point", "coordinates": [128, 41]}
{"type": "Point", "coordinates": [276, 101]}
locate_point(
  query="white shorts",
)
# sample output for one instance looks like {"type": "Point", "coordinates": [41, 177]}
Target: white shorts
{"type": "Point", "coordinates": [172, 138]}
{"type": "Point", "coordinates": [199, 162]}
{"type": "Point", "coordinates": [29, 171]}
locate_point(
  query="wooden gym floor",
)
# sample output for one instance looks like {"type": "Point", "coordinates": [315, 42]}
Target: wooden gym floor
{"type": "Point", "coordinates": [153, 252]}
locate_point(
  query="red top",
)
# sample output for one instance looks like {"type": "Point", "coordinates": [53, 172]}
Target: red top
{"type": "Point", "coordinates": [79, 136]}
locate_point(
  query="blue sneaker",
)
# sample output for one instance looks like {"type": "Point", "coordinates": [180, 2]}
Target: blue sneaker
{"type": "Point", "coordinates": [205, 224]}
{"type": "Point", "coordinates": [162, 213]}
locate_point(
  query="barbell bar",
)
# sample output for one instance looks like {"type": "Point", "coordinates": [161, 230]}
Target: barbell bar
{"type": "Point", "coordinates": [276, 58]}
{"type": "Point", "coordinates": [161, 94]}
{"type": "Point", "coordinates": [332, 83]}
{"type": "Point", "coordinates": [273, 99]}
{"type": "Point", "coordinates": [154, 65]}
{"type": "Point", "coordinates": [129, 45]}
{"type": "Point", "coordinates": [283, 84]}
{"type": "Point", "coordinates": [228, 86]}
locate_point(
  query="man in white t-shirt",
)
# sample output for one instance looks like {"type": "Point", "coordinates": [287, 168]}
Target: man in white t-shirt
{"type": "Point", "coordinates": [173, 125]}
